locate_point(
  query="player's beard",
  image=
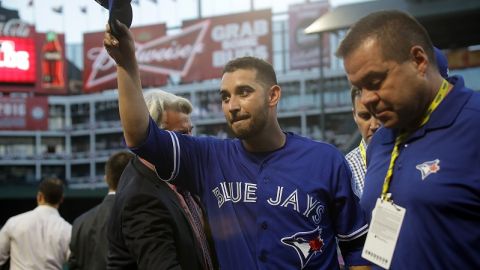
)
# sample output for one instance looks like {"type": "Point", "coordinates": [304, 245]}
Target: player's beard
{"type": "Point", "coordinates": [250, 127]}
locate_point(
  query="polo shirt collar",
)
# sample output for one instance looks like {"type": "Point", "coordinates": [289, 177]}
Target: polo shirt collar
{"type": "Point", "coordinates": [443, 116]}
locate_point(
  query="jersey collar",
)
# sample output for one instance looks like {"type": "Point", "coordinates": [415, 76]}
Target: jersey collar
{"type": "Point", "coordinates": [443, 116]}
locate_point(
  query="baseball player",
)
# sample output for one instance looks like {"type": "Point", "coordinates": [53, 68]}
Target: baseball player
{"type": "Point", "coordinates": [274, 200]}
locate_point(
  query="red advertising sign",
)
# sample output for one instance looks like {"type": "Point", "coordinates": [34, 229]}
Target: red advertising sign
{"type": "Point", "coordinates": [52, 68]}
{"type": "Point", "coordinates": [228, 37]}
{"type": "Point", "coordinates": [153, 48]}
{"type": "Point", "coordinates": [305, 49]}
{"type": "Point", "coordinates": [463, 58]}
{"type": "Point", "coordinates": [17, 60]}
{"type": "Point", "coordinates": [24, 113]}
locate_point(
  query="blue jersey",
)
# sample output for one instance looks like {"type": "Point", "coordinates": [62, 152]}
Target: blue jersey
{"type": "Point", "coordinates": [276, 210]}
{"type": "Point", "coordinates": [437, 179]}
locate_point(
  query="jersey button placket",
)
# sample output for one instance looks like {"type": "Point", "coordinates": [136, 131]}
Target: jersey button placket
{"type": "Point", "coordinates": [263, 181]}
{"type": "Point", "coordinates": [264, 225]}
{"type": "Point", "coordinates": [263, 256]}
{"type": "Point", "coordinates": [262, 166]}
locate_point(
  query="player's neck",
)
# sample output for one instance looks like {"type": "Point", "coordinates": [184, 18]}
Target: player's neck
{"type": "Point", "coordinates": [268, 140]}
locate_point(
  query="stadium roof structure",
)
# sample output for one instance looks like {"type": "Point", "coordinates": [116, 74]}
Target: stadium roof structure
{"type": "Point", "coordinates": [450, 23]}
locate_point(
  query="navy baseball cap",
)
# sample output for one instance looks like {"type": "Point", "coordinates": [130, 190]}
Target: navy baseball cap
{"type": "Point", "coordinates": [118, 10]}
{"type": "Point", "coordinates": [442, 62]}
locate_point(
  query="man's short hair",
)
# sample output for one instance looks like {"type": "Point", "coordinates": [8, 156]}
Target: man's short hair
{"type": "Point", "coordinates": [159, 101]}
{"type": "Point", "coordinates": [396, 32]}
{"type": "Point", "coordinates": [52, 190]}
{"type": "Point", "coordinates": [114, 167]}
{"type": "Point", "coordinates": [265, 72]}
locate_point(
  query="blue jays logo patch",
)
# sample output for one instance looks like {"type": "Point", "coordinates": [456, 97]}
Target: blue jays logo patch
{"type": "Point", "coordinates": [428, 168]}
{"type": "Point", "coordinates": [306, 244]}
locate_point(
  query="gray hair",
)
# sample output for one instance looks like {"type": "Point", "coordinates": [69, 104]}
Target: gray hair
{"type": "Point", "coordinates": [159, 101]}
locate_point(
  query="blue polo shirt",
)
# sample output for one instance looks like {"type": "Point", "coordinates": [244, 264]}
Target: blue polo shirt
{"type": "Point", "coordinates": [437, 179]}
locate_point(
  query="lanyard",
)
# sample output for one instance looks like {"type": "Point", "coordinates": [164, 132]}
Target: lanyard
{"type": "Point", "coordinates": [442, 92]}
{"type": "Point", "coordinates": [363, 152]}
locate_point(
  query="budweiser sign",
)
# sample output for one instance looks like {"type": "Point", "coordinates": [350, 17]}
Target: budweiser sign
{"type": "Point", "coordinates": [173, 54]}
{"type": "Point", "coordinates": [164, 55]}
{"type": "Point", "coordinates": [198, 52]}
{"type": "Point", "coordinates": [100, 69]}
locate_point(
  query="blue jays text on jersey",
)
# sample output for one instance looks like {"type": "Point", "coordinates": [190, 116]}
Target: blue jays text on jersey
{"type": "Point", "coordinates": [235, 192]}
{"type": "Point", "coordinates": [278, 210]}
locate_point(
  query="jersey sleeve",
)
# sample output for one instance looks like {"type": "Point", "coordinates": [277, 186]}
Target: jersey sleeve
{"type": "Point", "coordinates": [162, 149]}
{"type": "Point", "coordinates": [176, 157]}
{"type": "Point", "coordinates": [350, 223]}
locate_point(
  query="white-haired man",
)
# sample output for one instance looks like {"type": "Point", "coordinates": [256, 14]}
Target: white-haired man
{"type": "Point", "coordinates": [153, 224]}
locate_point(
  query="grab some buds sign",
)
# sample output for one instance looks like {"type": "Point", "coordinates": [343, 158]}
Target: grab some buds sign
{"type": "Point", "coordinates": [100, 71]}
{"type": "Point", "coordinates": [229, 37]}
{"type": "Point", "coordinates": [198, 52]}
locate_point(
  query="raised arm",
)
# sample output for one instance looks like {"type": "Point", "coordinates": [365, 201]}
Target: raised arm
{"type": "Point", "coordinates": [133, 110]}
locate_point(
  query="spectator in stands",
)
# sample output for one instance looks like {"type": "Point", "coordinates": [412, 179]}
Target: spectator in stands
{"type": "Point", "coordinates": [89, 244]}
{"type": "Point", "coordinates": [38, 239]}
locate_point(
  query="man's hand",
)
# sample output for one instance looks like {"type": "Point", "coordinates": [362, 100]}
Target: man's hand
{"type": "Point", "coordinates": [121, 48]}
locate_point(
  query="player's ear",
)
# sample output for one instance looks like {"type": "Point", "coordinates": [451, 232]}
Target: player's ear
{"type": "Point", "coordinates": [274, 94]}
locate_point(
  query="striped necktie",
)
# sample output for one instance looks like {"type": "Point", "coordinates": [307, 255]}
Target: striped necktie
{"type": "Point", "coordinates": [198, 228]}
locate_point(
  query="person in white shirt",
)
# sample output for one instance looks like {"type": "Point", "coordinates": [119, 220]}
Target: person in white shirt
{"type": "Point", "coordinates": [38, 239]}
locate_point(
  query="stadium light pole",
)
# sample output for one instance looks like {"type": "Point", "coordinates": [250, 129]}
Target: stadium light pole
{"type": "Point", "coordinates": [199, 5]}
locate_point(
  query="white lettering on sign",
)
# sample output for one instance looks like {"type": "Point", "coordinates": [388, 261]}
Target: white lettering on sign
{"type": "Point", "coordinates": [229, 31]}
{"type": "Point", "coordinates": [153, 54]}
{"type": "Point", "coordinates": [220, 58]}
{"type": "Point", "coordinates": [9, 58]}
{"type": "Point", "coordinates": [239, 39]}
{"type": "Point", "coordinates": [15, 28]}
{"type": "Point", "coordinates": [12, 109]}
{"type": "Point", "coordinates": [172, 53]}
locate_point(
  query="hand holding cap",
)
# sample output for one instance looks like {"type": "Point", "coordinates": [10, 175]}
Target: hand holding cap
{"type": "Point", "coordinates": [120, 10]}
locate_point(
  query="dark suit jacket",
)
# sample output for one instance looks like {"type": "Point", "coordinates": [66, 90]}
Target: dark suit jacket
{"type": "Point", "coordinates": [89, 245]}
{"type": "Point", "coordinates": [148, 228]}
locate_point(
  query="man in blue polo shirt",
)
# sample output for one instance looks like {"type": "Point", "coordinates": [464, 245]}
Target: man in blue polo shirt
{"type": "Point", "coordinates": [425, 163]}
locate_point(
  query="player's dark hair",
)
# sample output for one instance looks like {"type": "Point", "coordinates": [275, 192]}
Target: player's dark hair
{"type": "Point", "coordinates": [396, 33]}
{"type": "Point", "coordinates": [265, 72]}
{"type": "Point", "coordinates": [114, 167]}
{"type": "Point", "coordinates": [52, 190]}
